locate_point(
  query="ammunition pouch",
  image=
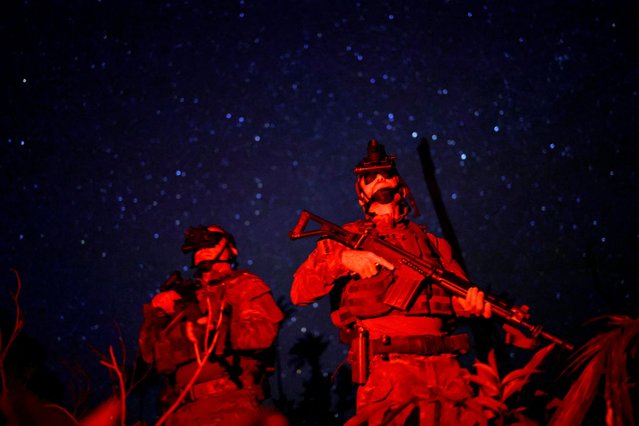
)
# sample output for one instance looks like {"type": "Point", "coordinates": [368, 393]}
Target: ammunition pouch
{"type": "Point", "coordinates": [363, 298]}
{"type": "Point", "coordinates": [169, 353]}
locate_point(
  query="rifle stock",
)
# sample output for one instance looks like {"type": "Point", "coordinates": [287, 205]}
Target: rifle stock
{"type": "Point", "coordinates": [410, 271]}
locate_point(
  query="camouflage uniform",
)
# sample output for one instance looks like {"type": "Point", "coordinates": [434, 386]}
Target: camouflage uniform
{"type": "Point", "coordinates": [232, 382]}
{"type": "Point", "coordinates": [411, 374]}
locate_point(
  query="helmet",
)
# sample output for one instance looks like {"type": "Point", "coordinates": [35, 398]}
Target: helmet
{"type": "Point", "coordinates": [378, 181]}
{"type": "Point", "coordinates": [201, 240]}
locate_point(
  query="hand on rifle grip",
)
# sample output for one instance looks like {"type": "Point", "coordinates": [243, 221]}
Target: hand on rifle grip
{"type": "Point", "coordinates": [473, 304]}
{"type": "Point", "coordinates": [364, 263]}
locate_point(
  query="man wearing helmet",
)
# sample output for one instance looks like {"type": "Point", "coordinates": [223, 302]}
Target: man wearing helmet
{"type": "Point", "coordinates": [212, 336]}
{"type": "Point", "coordinates": [408, 369]}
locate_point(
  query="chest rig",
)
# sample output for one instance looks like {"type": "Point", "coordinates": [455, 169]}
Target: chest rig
{"type": "Point", "coordinates": [363, 298]}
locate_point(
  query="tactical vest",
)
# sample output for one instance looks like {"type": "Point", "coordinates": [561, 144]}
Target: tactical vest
{"type": "Point", "coordinates": [363, 298]}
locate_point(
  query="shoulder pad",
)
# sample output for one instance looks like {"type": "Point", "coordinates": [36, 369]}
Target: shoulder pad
{"type": "Point", "coordinates": [416, 227]}
{"type": "Point", "coordinates": [246, 285]}
{"type": "Point", "coordinates": [441, 245]}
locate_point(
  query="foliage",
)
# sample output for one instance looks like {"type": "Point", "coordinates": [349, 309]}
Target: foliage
{"type": "Point", "coordinates": [604, 357]}
{"type": "Point", "coordinates": [605, 366]}
{"type": "Point", "coordinates": [17, 327]}
{"type": "Point", "coordinates": [496, 395]}
{"type": "Point", "coordinates": [315, 405]}
{"type": "Point", "coordinates": [19, 405]}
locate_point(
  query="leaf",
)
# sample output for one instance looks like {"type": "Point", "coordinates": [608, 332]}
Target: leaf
{"type": "Point", "coordinates": [554, 403]}
{"type": "Point", "coordinates": [517, 375]}
{"type": "Point", "coordinates": [491, 404]}
{"type": "Point", "coordinates": [586, 353]}
{"type": "Point", "coordinates": [616, 384]}
{"type": "Point", "coordinates": [397, 414]}
{"type": "Point", "coordinates": [492, 361]}
{"type": "Point", "coordinates": [573, 408]}
{"type": "Point", "coordinates": [523, 421]}
{"type": "Point", "coordinates": [475, 414]}
{"type": "Point", "coordinates": [487, 371]}
{"type": "Point", "coordinates": [487, 387]}
{"type": "Point", "coordinates": [618, 320]}
{"type": "Point", "coordinates": [539, 356]}
{"type": "Point", "coordinates": [516, 381]}
{"type": "Point", "coordinates": [603, 355]}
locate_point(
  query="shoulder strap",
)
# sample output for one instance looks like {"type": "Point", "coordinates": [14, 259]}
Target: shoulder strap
{"type": "Point", "coordinates": [424, 241]}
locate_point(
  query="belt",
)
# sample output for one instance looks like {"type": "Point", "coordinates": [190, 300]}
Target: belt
{"type": "Point", "coordinates": [421, 345]}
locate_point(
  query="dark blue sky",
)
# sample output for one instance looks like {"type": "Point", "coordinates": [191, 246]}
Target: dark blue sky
{"type": "Point", "coordinates": [123, 123]}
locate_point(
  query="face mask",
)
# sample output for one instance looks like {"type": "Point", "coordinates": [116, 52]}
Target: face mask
{"type": "Point", "coordinates": [384, 195]}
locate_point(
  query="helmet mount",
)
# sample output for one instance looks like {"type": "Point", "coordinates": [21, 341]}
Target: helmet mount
{"type": "Point", "coordinates": [391, 188]}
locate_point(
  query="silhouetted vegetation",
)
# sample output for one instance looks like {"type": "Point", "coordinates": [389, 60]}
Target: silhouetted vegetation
{"type": "Point", "coordinates": [599, 385]}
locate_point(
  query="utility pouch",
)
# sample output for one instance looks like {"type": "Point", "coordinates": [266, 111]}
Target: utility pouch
{"type": "Point", "coordinates": [404, 289]}
{"type": "Point", "coordinates": [364, 297]}
{"type": "Point", "coordinates": [170, 353]}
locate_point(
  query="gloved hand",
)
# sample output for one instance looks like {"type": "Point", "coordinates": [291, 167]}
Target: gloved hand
{"type": "Point", "coordinates": [166, 301]}
{"type": "Point", "coordinates": [364, 263]}
{"type": "Point", "coordinates": [473, 304]}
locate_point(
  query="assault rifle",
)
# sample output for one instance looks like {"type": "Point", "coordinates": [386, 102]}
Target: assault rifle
{"type": "Point", "coordinates": [410, 271]}
{"type": "Point", "coordinates": [187, 306]}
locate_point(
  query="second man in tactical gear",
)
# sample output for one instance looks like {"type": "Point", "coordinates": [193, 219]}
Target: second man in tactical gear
{"type": "Point", "coordinates": [212, 335]}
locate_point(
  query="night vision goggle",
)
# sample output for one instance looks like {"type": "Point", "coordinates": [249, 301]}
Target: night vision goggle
{"type": "Point", "coordinates": [376, 162]}
{"type": "Point", "coordinates": [200, 237]}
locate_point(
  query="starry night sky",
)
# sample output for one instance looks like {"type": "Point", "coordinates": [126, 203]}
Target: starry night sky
{"type": "Point", "coordinates": [123, 123]}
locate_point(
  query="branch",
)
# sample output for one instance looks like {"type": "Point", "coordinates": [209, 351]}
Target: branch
{"type": "Point", "coordinates": [113, 365]}
{"type": "Point", "coordinates": [208, 352]}
{"type": "Point", "coordinates": [17, 327]}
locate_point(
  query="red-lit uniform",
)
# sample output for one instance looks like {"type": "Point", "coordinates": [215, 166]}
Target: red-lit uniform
{"type": "Point", "coordinates": [404, 360]}
{"type": "Point", "coordinates": [230, 385]}
{"type": "Point", "coordinates": [426, 368]}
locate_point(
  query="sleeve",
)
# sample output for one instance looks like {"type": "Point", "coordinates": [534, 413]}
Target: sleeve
{"type": "Point", "coordinates": [255, 316]}
{"type": "Point", "coordinates": [154, 320]}
{"type": "Point", "coordinates": [315, 278]}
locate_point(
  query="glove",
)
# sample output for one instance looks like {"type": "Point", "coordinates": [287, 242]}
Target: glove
{"type": "Point", "coordinates": [166, 301]}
